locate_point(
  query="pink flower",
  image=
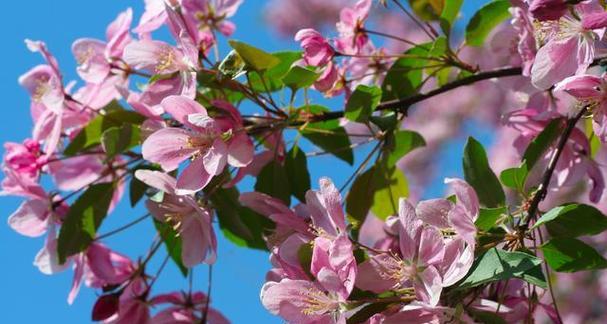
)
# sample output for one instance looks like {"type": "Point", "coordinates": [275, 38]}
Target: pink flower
{"type": "Point", "coordinates": [352, 38]}
{"type": "Point", "coordinates": [567, 45]}
{"type": "Point", "coordinates": [317, 51]}
{"type": "Point", "coordinates": [421, 251]}
{"type": "Point", "coordinates": [210, 143]}
{"type": "Point", "coordinates": [185, 308]}
{"type": "Point", "coordinates": [132, 307]}
{"type": "Point", "coordinates": [590, 90]}
{"type": "Point", "coordinates": [211, 14]}
{"type": "Point", "coordinates": [24, 158]}
{"type": "Point", "coordinates": [94, 57]}
{"type": "Point", "coordinates": [192, 222]}
{"type": "Point", "coordinates": [99, 266]}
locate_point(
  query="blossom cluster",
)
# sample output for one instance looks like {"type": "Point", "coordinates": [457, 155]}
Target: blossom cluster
{"type": "Point", "coordinates": [404, 79]}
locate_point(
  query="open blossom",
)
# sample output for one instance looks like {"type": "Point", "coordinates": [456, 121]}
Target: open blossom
{"type": "Point", "coordinates": [567, 45]}
{"type": "Point", "coordinates": [95, 57]}
{"type": "Point", "coordinates": [352, 37]}
{"type": "Point", "coordinates": [210, 143]}
{"type": "Point", "coordinates": [590, 90]}
{"type": "Point", "coordinates": [185, 215]}
{"type": "Point", "coordinates": [317, 50]}
{"type": "Point", "coordinates": [24, 158]}
{"type": "Point", "coordinates": [421, 251]}
{"type": "Point", "coordinates": [211, 14]}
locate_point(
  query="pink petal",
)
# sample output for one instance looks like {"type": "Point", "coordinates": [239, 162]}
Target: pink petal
{"type": "Point", "coordinates": [157, 179]}
{"type": "Point", "coordinates": [240, 150]}
{"type": "Point", "coordinates": [409, 230]}
{"type": "Point", "coordinates": [465, 195]}
{"type": "Point", "coordinates": [428, 286]}
{"type": "Point", "coordinates": [582, 86]}
{"type": "Point", "coordinates": [431, 247]}
{"type": "Point", "coordinates": [434, 212]}
{"type": "Point", "coordinates": [216, 157]}
{"type": "Point", "coordinates": [168, 147]}
{"type": "Point", "coordinates": [464, 226]}
{"type": "Point", "coordinates": [180, 107]}
{"type": "Point", "coordinates": [554, 62]}
{"type": "Point", "coordinates": [31, 218]}
{"type": "Point", "coordinates": [193, 178]}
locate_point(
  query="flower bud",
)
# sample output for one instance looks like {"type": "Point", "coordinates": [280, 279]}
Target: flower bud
{"type": "Point", "coordinates": [548, 9]}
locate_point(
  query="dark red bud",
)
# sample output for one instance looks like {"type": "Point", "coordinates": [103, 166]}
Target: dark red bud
{"type": "Point", "coordinates": [105, 307]}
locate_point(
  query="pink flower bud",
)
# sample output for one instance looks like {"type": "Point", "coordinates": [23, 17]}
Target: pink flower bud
{"type": "Point", "coordinates": [548, 9]}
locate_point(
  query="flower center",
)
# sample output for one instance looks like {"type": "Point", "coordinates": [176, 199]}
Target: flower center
{"type": "Point", "coordinates": [166, 60]}
{"type": "Point", "coordinates": [318, 302]}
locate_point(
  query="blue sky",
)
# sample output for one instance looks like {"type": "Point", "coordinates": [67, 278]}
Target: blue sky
{"type": "Point", "coordinates": [31, 297]}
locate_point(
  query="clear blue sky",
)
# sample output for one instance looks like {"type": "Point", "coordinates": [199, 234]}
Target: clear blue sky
{"type": "Point", "coordinates": [31, 297]}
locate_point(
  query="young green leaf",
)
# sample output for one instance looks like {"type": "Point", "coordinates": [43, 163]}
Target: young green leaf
{"type": "Point", "coordinates": [565, 254]}
{"type": "Point", "coordinates": [172, 242]}
{"type": "Point", "coordinates": [90, 135]}
{"type": "Point", "coordinates": [116, 140]}
{"type": "Point", "coordinates": [232, 65]}
{"type": "Point", "coordinates": [254, 57]}
{"type": "Point", "coordinates": [515, 178]}
{"type": "Point", "coordinates": [479, 175]}
{"type": "Point", "coordinates": [488, 216]}
{"type": "Point", "coordinates": [299, 77]}
{"type": "Point", "coordinates": [390, 185]}
{"type": "Point", "coordinates": [362, 103]}
{"type": "Point", "coordinates": [573, 220]}
{"type": "Point", "coordinates": [450, 11]}
{"type": "Point", "coordinates": [296, 165]}
{"type": "Point", "coordinates": [271, 79]}
{"type": "Point", "coordinates": [497, 265]}
{"type": "Point", "coordinates": [484, 20]}
{"type": "Point", "coordinates": [402, 143]}
{"type": "Point", "coordinates": [328, 135]}
{"type": "Point", "coordinates": [84, 217]}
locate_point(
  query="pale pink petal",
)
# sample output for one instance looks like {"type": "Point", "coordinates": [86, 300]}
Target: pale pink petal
{"type": "Point", "coordinates": [582, 86]}
{"type": "Point", "coordinates": [240, 150]}
{"type": "Point", "coordinates": [31, 218]}
{"type": "Point", "coordinates": [157, 179]}
{"type": "Point", "coordinates": [554, 62]}
{"type": "Point", "coordinates": [180, 107]}
{"type": "Point", "coordinates": [168, 147]}
{"type": "Point", "coordinates": [193, 178]}
{"type": "Point", "coordinates": [431, 247]}
{"type": "Point", "coordinates": [216, 157]}
{"type": "Point", "coordinates": [464, 226]}
{"type": "Point", "coordinates": [434, 212]}
{"type": "Point", "coordinates": [428, 286]}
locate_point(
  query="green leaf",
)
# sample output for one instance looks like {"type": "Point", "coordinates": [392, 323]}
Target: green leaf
{"type": "Point", "coordinates": [273, 180]}
{"type": "Point", "coordinates": [404, 78]}
{"type": "Point", "coordinates": [488, 216]}
{"type": "Point", "coordinates": [427, 9]}
{"type": "Point", "coordinates": [542, 142]}
{"type": "Point", "coordinates": [484, 20]}
{"type": "Point", "coordinates": [402, 143]}
{"type": "Point", "coordinates": [497, 265]}
{"type": "Point", "coordinates": [479, 175]}
{"type": "Point", "coordinates": [90, 135]}
{"type": "Point", "coordinates": [271, 79]}
{"type": "Point", "coordinates": [362, 103]}
{"type": "Point", "coordinates": [296, 165]}
{"type": "Point", "coordinates": [386, 185]}
{"type": "Point", "coordinates": [386, 121]}
{"type": "Point", "coordinates": [239, 224]}
{"type": "Point", "coordinates": [172, 242]}
{"type": "Point", "coordinates": [116, 140]}
{"type": "Point", "coordinates": [390, 185]}
{"type": "Point", "coordinates": [304, 254]}
{"type": "Point", "coordinates": [254, 57]}
{"type": "Point", "coordinates": [449, 14]}
{"type": "Point", "coordinates": [136, 191]}
{"type": "Point", "coordinates": [573, 220]}
{"type": "Point", "coordinates": [565, 254]}
{"type": "Point", "coordinates": [515, 178]}
{"type": "Point", "coordinates": [328, 135]}
{"type": "Point", "coordinates": [362, 315]}
{"type": "Point", "coordinates": [299, 77]}
{"type": "Point", "coordinates": [83, 219]}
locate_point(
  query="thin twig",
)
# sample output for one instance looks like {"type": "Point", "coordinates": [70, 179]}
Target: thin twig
{"type": "Point", "coordinates": [206, 308]}
{"type": "Point", "coordinates": [122, 228]}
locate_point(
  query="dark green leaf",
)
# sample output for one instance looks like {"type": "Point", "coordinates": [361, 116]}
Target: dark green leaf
{"type": "Point", "coordinates": [571, 255]}
{"type": "Point", "coordinates": [296, 165]}
{"type": "Point", "coordinates": [172, 242]}
{"type": "Point", "coordinates": [366, 312]}
{"type": "Point", "coordinates": [573, 220]}
{"type": "Point", "coordinates": [362, 103]}
{"type": "Point", "coordinates": [497, 265]}
{"type": "Point", "coordinates": [272, 180]}
{"type": "Point", "coordinates": [385, 121]}
{"type": "Point", "coordinates": [488, 216]}
{"type": "Point", "coordinates": [83, 219]}
{"type": "Point", "coordinates": [116, 140]}
{"type": "Point", "coordinates": [328, 135]}
{"type": "Point", "coordinates": [479, 175]}
{"type": "Point", "coordinates": [90, 135]}
{"type": "Point", "coordinates": [254, 57]}
{"type": "Point", "coordinates": [427, 9]}
{"type": "Point", "coordinates": [304, 254]}
{"type": "Point", "coordinates": [402, 143]}
{"type": "Point", "coordinates": [299, 77]}
{"type": "Point", "coordinates": [484, 20]}
{"type": "Point", "coordinates": [239, 224]}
